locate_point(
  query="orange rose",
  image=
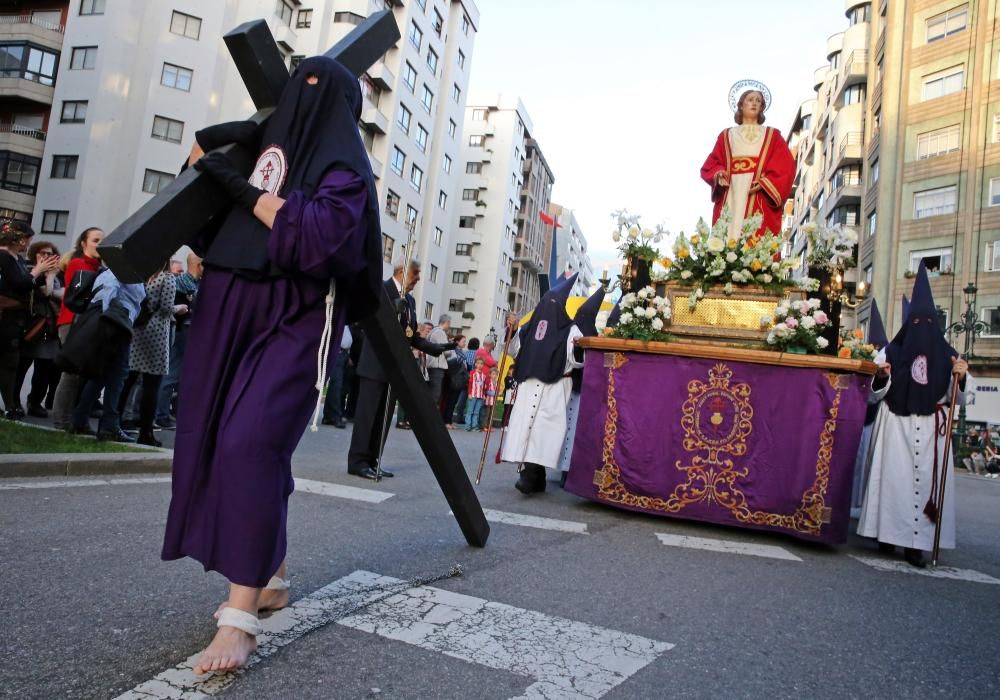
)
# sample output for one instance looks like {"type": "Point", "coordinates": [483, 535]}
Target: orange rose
{"type": "Point", "coordinates": [755, 266]}
{"type": "Point", "coordinates": [859, 334]}
{"type": "Point", "coordinates": [844, 353]}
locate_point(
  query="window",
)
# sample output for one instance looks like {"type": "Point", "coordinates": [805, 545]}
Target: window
{"type": "Point", "coordinates": [74, 112]}
{"type": "Point", "coordinates": [446, 164]}
{"type": "Point", "coordinates": [398, 162]}
{"type": "Point", "coordinates": [452, 127]}
{"type": "Point", "coordinates": [29, 62]}
{"type": "Point", "coordinates": [434, 278]}
{"type": "Point", "coordinates": [92, 7]}
{"type": "Point", "coordinates": [54, 222]}
{"type": "Point", "coordinates": [403, 118]}
{"type": "Point", "coordinates": [421, 139]}
{"type": "Point", "coordinates": [64, 167]}
{"type": "Point", "coordinates": [416, 177]}
{"type": "Point", "coordinates": [465, 25]}
{"type": "Point", "coordinates": [479, 115]}
{"type": "Point", "coordinates": [427, 99]}
{"type": "Point", "coordinates": [392, 204]}
{"type": "Point", "coordinates": [411, 217]}
{"type": "Point", "coordinates": [185, 25]}
{"type": "Point", "coordinates": [859, 15]}
{"type": "Point", "coordinates": [154, 181]}
{"type": "Point", "coordinates": [295, 59]}
{"type": "Point", "coordinates": [996, 128]}
{"type": "Point", "coordinates": [510, 205]}
{"type": "Point", "coordinates": [934, 202]}
{"type": "Point", "coordinates": [473, 168]}
{"type": "Point", "coordinates": [467, 222]}
{"type": "Point", "coordinates": [304, 20]}
{"type": "Point", "coordinates": [19, 173]}
{"type": "Point", "coordinates": [459, 278]}
{"type": "Point", "coordinates": [438, 23]}
{"type": "Point", "coordinates": [993, 256]}
{"type": "Point", "coordinates": [935, 260]}
{"type": "Point", "coordinates": [176, 77]}
{"type": "Point", "coordinates": [470, 195]}
{"type": "Point", "coordinates": [284, 10]}
{"type": "Point", "coordinates": [416, 36]}
{"type": "Point", "coordinates": [456, 93]}
{"type": "Point", "coordinates": [456, 305]}
{"type": "Point", "coordinates": [855, 94]}
{"type": "Point", "coordinates": [349, 17]}
{"type": "Point", "coordinates": [463, 249]}
{"type": "Point", "coordinates": [83, 58]}
{"type": "Point", "coordinates": [443, 199]}
{"type": "Point", "coordinates": [477, 141]}
{"type": "Point", "coordinates": [461, 59]}
{"type": "Point", "coordinates": [994, 191]}
{"type": "Point", "coordinates": [872, 224]}
{"type": "Point", "coordinates": [166, 129]}
{"type": "Point", "coordinates": [868, 276]}
{"type": "Point", "coordinates": [847, 175]}
{"type": "Point", "coordinates": [438, 235]}
{"type": "Point", "coordinates": [946, 82]}
{"type": "Point", "coordinates": [388, 244]}
{"type": "Point", "coordinates": [432, 60]}
{"type": "Point", "coordinates": [873, 172]}
{"type": "Point", "coordinates": [947, 23]}
{"type": "Point", "coordinates": [429, 307]}
{"type": "Point", "coordinates": [369, 90]}
{"type": "Point", "coordinates": [410, 77]}
{"type": "Point", "coordinates": [938, 142]}
{"type": "Point", "coordinates": [991, 317]}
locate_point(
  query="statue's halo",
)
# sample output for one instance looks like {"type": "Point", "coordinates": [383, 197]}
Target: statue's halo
{"type": "Point", "coordinates": [741, 86]}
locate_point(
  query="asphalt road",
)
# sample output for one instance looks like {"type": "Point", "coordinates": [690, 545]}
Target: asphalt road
{"type": "Point", "coordinates": [90, 611]}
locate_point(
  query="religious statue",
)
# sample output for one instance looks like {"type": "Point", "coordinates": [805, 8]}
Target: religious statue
{"type": "Point", "coordinates": [750, 170]}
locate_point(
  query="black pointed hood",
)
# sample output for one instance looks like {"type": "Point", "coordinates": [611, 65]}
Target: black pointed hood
{"type": "Point", "coordinates": [876, 329]}
{"type": "Point", "coordinates": [586, 316]}
{"type": "Point", "coordinates": [542, 354]}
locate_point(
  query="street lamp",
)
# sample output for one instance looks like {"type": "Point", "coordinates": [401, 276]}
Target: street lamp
{"type": "Point", "coordinates": [970, 326]}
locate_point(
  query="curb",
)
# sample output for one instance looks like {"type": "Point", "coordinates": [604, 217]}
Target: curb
{"type": "Point", "coordinates": [85, 464]}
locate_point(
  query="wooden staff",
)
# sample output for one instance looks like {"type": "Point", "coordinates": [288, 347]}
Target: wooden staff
{"type": "Point", "coordinates": [489, 425]}
{"type": "Point", "coordinates": [944, 471]}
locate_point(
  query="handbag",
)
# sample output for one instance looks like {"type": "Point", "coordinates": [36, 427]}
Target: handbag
{"type": "Point", "coordinates": [80, 291]}
{"type": "Point", "coordinates": [35, 330]}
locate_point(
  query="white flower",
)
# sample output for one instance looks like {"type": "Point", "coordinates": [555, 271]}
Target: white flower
{"type": "Point", "coordinates": [728, 289]}
{"type": "Point", "coordinates": [780, 327]}
{"type": "Point", "coordinates": [616, 236]}
{"type": "Point", "coordinates": [650, 312]}
{"type": "Point", "coordinates": [643, 293]}
{"type": "Point", "coordinates": [815, 303]}
{"type": "Point", "coordinates": [647, 233]}
{"type": "Point", "coordinates": [775, 267]}
{"type": "Point", "coordinates": [809, 229]}
{"type": "Point", "coordinates": [731, 257]}
{"type": "Point", "coordinates": [700, 293]}
{"type": "Point", "coordinates": [667, 312]}
{"type": "Point", "coordinates": [602, 320]}
{"type": "Point", "coordinates": [625, 318]}
{"type": "Point", "coordinates": [782, 309]}
{"type": "Point", "coordinates": [633, 232]}
{"type": "Point", "coordinates": [621, 220]}
{"type": "Point", "coordinates": [808, 322]}
{"type": "Point", "coordinates": [771, 338]}
{"type": "Point", "coordinates": [657, 324]}
{"type": "Point", "coordinates": [686, 275]}
{"type": "Point", "coordinates": [716, 245]}
{"type": "Point", "coordinates": [822, 342]}
{"type": "Point", "coordinates": [628, 300]}
{"type": "Point", "coordinates": [766, 279]}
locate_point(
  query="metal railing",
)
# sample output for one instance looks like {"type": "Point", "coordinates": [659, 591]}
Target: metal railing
{"type": "Point", "coordinates": [31, 19]}
{"type": "Point", "coordinates": [37, 134]}
{"type": "Point", "coordinates": [854, 138]}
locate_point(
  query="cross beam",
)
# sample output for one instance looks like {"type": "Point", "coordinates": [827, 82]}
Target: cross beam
{"type": "Point", "coordinates": [193, 201]}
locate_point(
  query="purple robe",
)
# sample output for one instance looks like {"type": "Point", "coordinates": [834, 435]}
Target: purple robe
{"type": "Point", "coordinates": [248, 385]}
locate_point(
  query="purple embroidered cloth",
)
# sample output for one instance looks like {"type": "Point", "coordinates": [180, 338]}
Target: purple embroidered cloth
{"type": "Point", "coordinates": [735, 443]}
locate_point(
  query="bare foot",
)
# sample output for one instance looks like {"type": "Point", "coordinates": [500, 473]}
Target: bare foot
{"type": "Point", "coordinates": [269, 601]}
{"type": "Point", "coordinates": [228, 651]}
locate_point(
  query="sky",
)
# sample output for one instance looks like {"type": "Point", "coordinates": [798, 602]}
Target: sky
{"type": "Point", "coordinates": [627, 97]}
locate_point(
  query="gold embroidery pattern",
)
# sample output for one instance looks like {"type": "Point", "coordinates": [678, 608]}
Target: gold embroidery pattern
{"type": "Point", "coordinates": [744, 164]}
{"type": "Point", "coordinates": [710, 476]}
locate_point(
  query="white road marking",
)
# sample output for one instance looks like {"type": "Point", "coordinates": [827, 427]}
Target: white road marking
{"type": "Point", "coordinates": [47, 484]}
{"type": "Point", "coordinates": [324, 488]}
{"type": "Point", "coordinates": [726, 546]}
{"type": "Point", "coordinates": [902, 567]}
{"type": "Point", "coordinates": [499, 516]}
{"type": "Point", "coordinates": [566, 659]}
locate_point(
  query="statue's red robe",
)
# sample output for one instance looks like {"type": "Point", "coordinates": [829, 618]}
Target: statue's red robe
{"type": "Point", "coordinates": [774, 171]}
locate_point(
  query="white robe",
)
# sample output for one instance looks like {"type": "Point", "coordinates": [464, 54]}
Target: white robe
{"type": "Point", "coordinates": [572, 416]}
{"type": "Point", "coordinates": [745, 140]}
{"type": "Point", "coordinates": [900, 482]}
{"type": "Point", "coordinates": [538, 418]}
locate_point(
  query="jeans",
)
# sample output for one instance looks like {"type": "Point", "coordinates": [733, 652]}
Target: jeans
{"type": "Point", "coordinates": [463, 396]}
{"type": "Point", "coordinates": [67, 391]}
{"type": "Point", "coordinates": [172, 379]}
{"type": "Point", "coordinates": [435, 380]}
{"type": "Point", "coordinates": [472, 408]}
{"type": "Point", "coordinates": [148, 396]}
{"type": "Point", "coordinates": [333, 409]}
{"type": "Point", "coordinates": [112, 383]}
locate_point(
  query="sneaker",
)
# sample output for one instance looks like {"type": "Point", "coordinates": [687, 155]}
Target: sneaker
{"type": "Point", "coordinates": [165, 423]}
{"type": "Point", "coordinates": [119, 436]}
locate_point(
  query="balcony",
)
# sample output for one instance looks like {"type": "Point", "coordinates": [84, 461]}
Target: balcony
{"type": "Point", "coordinates": [377, 167]}
{"type": "Point", "coordinates": [31, 27]}
{"type": "Point", "coordinates": [30, 142]}
{"type": "Point", "coordinates": [16, 89]}
{"type": "Point", "coordinates": [820, 75]}
{"type": "Point", "coordinates": [382, 76]}
{"type": "Point", "coordinates": [848, 192]}
{"type": "Point", "coordinates": [855, 69]}
{"type": "Point", "coordinates": [851, 149]}
{"type": "Point", "coordinates": [487, 155]}
{"type": "Point", "coordinates": [373, 119]}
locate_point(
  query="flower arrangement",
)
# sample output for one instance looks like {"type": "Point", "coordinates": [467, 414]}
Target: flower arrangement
{"type": "Point", "coordinates": [830, 248]}
{"type": "Point", "coordinates": [797, 327]}
{"type": "Point", "coordinates": [852, 346]}
{"type": "Point", "coordinates": [643, 316]}
{"type": "Point", "coordinates": [634, 241]}
{"type": "Point", "coordinates": [708, 257]}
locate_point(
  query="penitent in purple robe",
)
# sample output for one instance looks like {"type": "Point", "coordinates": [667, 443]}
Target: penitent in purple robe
{"type": "Point", "coordinates": [248, 385]}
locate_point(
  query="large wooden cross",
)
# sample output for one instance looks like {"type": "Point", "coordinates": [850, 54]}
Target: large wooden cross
{"type": "Point", "coordinates": [140, 245]}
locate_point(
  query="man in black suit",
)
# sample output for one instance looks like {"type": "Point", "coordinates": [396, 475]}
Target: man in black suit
{"type": "Point", "coordinates": [374, 392]}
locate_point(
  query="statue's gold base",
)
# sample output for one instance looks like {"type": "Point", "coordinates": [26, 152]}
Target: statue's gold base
{"type": "Point", "coordinates": [743, 317]}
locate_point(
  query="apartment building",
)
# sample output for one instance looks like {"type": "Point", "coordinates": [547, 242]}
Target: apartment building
{"type": "Point", "coordinates": [499, 243]}
{"type": "Point", "coordinates": [923, 169]}
{"type": "Point", "coordinates": [101, 100]}
{"type": "Point", "coordinates": [571, 250]}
